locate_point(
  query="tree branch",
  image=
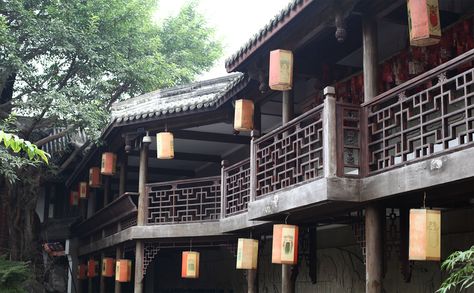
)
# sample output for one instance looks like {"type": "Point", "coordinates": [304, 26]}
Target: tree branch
{"type": "Point", "coordinates": [119, 90]}
{"type": "Point", "coordinates": [52, 137]}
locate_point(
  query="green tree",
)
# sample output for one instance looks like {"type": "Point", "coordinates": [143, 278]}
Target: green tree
{"type": "Point", "coordinates": [460, 266]}
{"type": "Point", "coordinates": [63, 63]}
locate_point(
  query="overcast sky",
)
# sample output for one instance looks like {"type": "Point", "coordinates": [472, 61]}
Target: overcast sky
{"type": "Point", "coordinates": [235, 21]}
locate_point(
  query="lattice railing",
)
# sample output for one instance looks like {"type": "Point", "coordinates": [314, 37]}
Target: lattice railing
{"type": "Point", "coordinates": [349, 139]}
{"type": "Point", "coordinates": [237, 188]}
{"type": "Point", "coordinates": [184, 201]}
{"type": "Point", "coordinates": [290, 154]}
{"type": "Point", "coordinates": [423, 117]}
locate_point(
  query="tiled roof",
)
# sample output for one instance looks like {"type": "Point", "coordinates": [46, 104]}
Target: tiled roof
{"type": "Point", "coordinates": [185, 98]}
{"type": "Point", "coordinates": [274, 25]}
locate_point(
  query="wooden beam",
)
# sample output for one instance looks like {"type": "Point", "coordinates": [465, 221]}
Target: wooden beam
{"type": "Point", "coordinates": [209, 136]}
{"type": "Point", "coordinates": [185, 156]}
{"type": "Point", "coordinates": [165, 171]}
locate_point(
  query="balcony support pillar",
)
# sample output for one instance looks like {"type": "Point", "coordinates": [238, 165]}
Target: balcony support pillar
{"type": "Point", "coordinates": [142, 214]}
{"type": "Point", "coordinates": [329, 133]}
{"type": "Point", "coordinates": [118, 255]}
{"type": "Point", "coordinates": [224, 164]}
{"type": "Point", "coordinates": [287, 106]}
{"type": "Point", "coordinates": [253, 165]}
{"type": "Point", "coordinates": [373, 213]}
{"type": "Point", "coordinates": [123, 174]}
{"type": "Point", "coordinates": [102, 278]}
{"type": "Point", "coordinates": [252, 281]}
{"type": "Point", "coordinates": [107, 190]}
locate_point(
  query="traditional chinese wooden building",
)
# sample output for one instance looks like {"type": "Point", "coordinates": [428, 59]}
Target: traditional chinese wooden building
{"type": "Point", "coordinates": [372, 127]}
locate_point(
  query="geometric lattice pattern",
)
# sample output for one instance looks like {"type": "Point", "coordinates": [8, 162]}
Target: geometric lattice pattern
{"type": "Point", "coordinates": [128, 222]}
{"type": "Point", "coordinates": [291, 154]}
{"type": "Point", "coordinates": [184, 201]}
{"type": "Point", "coordinates": [237, 187]}
{"type": "Point", "coordinates": [150, 251]}
{"type": "Point", "coordinates": [422, 120]}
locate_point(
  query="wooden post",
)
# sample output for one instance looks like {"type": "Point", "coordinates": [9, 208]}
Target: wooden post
{"type": "Point", "coordinates": [373, 213]}
{"type": "Point", "coordinates": [286, 286]}
{"type": "Point", "coordinates": [287, 106]}
{"type": "Point", "coordinates": [102, 278]}
{"type": "Point", "coordinates": [253, 165]}
{"type": "Point", "coordinates": [106, 190]}
{"type": "Point", "coordinates": [252, 281]}
{"type": "Point", "coordinates": [123, 174]}
{"type": "Point", "coordinates": [142, 214]}
{"type": "Point", "coordinates": [224, 164]}
{"type": "Point", "coordinates": [118, 255]}
{"type": "Point", "coordinates": [329, 133]}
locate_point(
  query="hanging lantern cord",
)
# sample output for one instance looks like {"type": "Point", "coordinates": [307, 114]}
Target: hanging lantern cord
{"type": "Point", "coordinates": [190, 244]}
{"type": "Point", "coordinates": [424, 200]}
{"type": "Point", "coordinates": [286, 218]}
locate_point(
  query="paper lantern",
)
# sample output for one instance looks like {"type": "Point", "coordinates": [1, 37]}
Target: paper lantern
{"type": "Point", "coordinates": [281, 70]}
{"type": "Point", "coordinates": [109, 162]}
{"type": "Point", "coordinates": [74, 198]}
{"type": "Point", "coordinates": [425, 235]}
{"type": "Point", "coordinates": [95, 180]}
{"type": "Point", "coordinates": [123, 270]}
{"type": "Point", "coordinates": [247, 254]}
{"type": "Point", "coordinates": [190, 265]}
{"type": "Point", "coordinates": [423, 22]}
{"type": "Point", "coordinates": [81, 272]}
{"type": "Point", "coordinates": [243, 116]}
{"type": "Point", "coordinates": [285, 244]}
{"type": "Point", "coordinates": [92, 268]}
{"type": "Point", "coordinates": [83, 190]}
{"type": "Point", "coordinates": [164, 145]}
{"type": "Point", "coordinates": [108, 267]}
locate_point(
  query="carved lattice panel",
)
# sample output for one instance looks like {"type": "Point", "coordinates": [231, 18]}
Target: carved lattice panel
{"type": "Point", "coordinates": [149, 254]}
{"type": "Point", "coordinates": [184, 201]}
{"type": "Point", "coordinates": [349, 139]}
{"type": "Point", "coordinates": [426, 119]}
{"type": "Point", "coordinates": [128, 222]}
{"type": "Point", "coordinates": [291, 154]}
{"type": "Point", "coordinates": [237, 184]}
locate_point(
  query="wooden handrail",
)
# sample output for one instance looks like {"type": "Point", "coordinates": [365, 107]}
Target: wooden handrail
{"type": "Point", "coordinates": [185, 181]}
{"type": "Point", "coordinates": [237, 165]}
{"type": "Point", "coordinates": [465, 57]}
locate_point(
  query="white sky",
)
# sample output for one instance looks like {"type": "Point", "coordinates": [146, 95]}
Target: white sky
{"type": "Point", "coordinates": [235, 21]}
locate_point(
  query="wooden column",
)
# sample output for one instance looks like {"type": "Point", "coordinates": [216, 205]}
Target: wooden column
{"type": "Point", "coordinates": [287, 283]}
{"type": "Point", "coordinates": [102, 278]}
{"type": "Point", "coordinates": [287, 106]}
{"type": "Point", "coordinates": [373, 213]}
{"type": "Point", "coordinates": [123, 174]}
{"type": "Point", "coordinates": [224, 164]}
{"type": "Point", "coordinates": [141, 217]}
{"type": "Point", "coordinates": [118, 255]}
{"type": "Point", "coordinates": [107, 189]}
{"type": "Point", "coordinates": [252, 281]}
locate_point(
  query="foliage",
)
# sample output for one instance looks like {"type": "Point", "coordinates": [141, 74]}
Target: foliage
{"type": "Point", "coordinates": [13, 275]}
{"type": "Point", "coordinates": [16, 144]}
{"type": "Point", "coordinates": [72, 59]}
{"type": "Point", "coordinates": [460, 266]}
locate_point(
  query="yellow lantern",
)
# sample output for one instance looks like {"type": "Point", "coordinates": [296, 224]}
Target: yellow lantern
{"type": "Point", "coordinates": [123, 270]}
{"type": "Point", "coordinates": [285, 244]}
{"type": "Point", "coordinates": [243, 116]}
{"type": "Point", "coordinates": [94, 177]}
{"type": "Point", "coordinates": [74, 198]}
{"type": "Point", "coordinates": [108, 267]}
{"type": "Point", "coordinates": [423, 22]}
{"type": "Point", "coordinates": [164, 145]}
{"type": "Point", "coordinates": [190, 265]}
{"type": "Point", "coordinates": [81, 272]}
{"type": "Point", "coordinates": [281, 70]}
{"type": "Point", "coordinates": [92, 266]}
{"type": "Point", "coordinates": [247, 254]}
{"type": "Point", "coordinates": [83, 190]}
{"type": "Point", "coordinates": [425, 235]}
{"type": "Point", "coordinates": [109, 163]}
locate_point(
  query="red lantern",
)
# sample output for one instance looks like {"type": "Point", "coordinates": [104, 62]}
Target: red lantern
{"type": "Point", "coordinates": [285, 244]}
{"type": "Point", "coordinates": [281, 70]}
{"type": "Point", "coordinates": [83, 190]}
{"type": "Point", "coordinates": [92, 268]}
{"type": "Point", "coordinates": [423, 22]}
{"type": "Point", "coordinates": [74, 198]}
{"type": "Point", "coordinates": [94, 177]}
{"type": "Point", "coordinates": [81, 272]}
{"type": "Point", "coordinates": [243, 116]}
{"type": "Point", "coordinates": [190, 265]}
{"type": "Point", "coordinates": [123, 270]}
{"type": "Point", "coordinates": [108, 267]}
{"type": "Point", "coordinates": [109, 161]}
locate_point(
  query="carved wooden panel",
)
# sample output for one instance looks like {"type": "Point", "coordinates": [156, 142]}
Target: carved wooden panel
{"type": "Point", "coordinates": [291, 154]}
{"type": "Point", "coordinates": [423, 120]}
{"type": "Point", "coordinates": [237, 185]}
{"type": "Point", "coordinates": [349, 139]}
{"type": "Point", "coordinates": [184, 201]}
